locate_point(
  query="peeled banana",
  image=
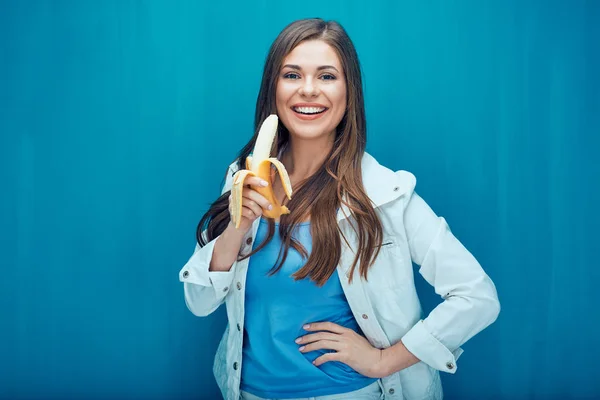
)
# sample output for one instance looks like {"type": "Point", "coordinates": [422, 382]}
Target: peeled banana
{"type": "Point", "coordinates": [259, 164]}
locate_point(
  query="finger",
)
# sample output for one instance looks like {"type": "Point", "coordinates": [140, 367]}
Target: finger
{"type": "Point", "coordinates": [255, 181]}
{"type": "Point", "coordinates": [248, 213]}
{"type": "Point", "coordinates": [326, 358]}
{"type": "Point", "coordinates": [313, 337]}
{"type": "Point", "coordinates": [252, 205]}
{"type": "Point", "coordinates": [322, 344]}
{"type": "Point", "coordinates": [253, 195]}
{"type": "Point", "coordinates": [325, 326]}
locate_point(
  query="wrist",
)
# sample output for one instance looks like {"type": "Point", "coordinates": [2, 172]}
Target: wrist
{"type": "Point", "coordinates": [394, 359]}
{"type": "Point", "coordinates": [233, 232]}
{"type": "Point", "coordinates": [383, 368]}
{"type": "Point", "coordinates": [226, 249]}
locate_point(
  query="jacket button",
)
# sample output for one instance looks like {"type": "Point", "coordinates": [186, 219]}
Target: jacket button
{"type": "Point", "coordinates": [235, 366]}
{"type": "Point", "coordinates": [239, 327]}
{"type": "Point", "coordinates": [225, 288]}
{"type": "Point", "coordinates": [249, 241]}
{"type": "Point", "coordinates": [239, 286]}
{"type": "Point", "coordinates": [449, 365]}
{"type": "Point", "coordinates": [396, 188]}
{"type": "Point", "coordinates": [365, 316]}
{"type": "Point", "coordinates": [391, 391]}
{"type": "Point", "coordinates": [186, 274]}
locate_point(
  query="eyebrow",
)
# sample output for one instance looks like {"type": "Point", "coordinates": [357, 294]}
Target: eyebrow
{"type": "Point", "coordinates": [322, 67]}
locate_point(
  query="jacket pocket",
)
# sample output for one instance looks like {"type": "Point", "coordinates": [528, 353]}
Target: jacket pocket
{"type": "Point", "coordinates": [387, 270]}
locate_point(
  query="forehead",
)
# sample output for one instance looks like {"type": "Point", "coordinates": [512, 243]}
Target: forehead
{"type": "Point", "coordinates": [313, 53]}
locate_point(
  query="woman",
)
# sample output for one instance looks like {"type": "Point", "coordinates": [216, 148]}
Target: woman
{"type": "Point", "coordinates": [322, 303]}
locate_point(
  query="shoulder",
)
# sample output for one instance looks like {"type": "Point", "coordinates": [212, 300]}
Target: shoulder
{"type": "Point", "coordinates": [382, 182]}
{"type": "Point", "coordinates": [407, 180]}
{"type": "Point", "coordinates": [233, 167]}
{"type": "Point", "coordinates": [231, 170]}
{"type": "Point", "coordinates": [228, 179]}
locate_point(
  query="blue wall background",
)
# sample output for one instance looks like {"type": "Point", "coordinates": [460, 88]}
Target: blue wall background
{"type": "Point", "coordinates": [117, 119]}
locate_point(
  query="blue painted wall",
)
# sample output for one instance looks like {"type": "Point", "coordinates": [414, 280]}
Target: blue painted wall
{"type": "Point", "coordinates": [117, 119]}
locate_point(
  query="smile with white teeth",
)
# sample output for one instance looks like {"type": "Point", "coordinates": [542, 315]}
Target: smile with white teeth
{"type": "Point", "coordinates": [309, 110]}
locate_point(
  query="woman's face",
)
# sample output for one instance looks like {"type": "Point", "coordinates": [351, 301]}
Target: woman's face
{"type": "Point", "coordinates": [311, 91]}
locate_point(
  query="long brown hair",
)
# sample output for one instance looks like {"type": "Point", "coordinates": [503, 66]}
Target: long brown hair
{"type": "Point", "coordinates": [338, 181]}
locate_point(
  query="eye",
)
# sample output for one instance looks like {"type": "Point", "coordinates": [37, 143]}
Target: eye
{"type": "Point", "coordinates": [328, 77]}
{"type": "Point", "coordinates": [291, 75]}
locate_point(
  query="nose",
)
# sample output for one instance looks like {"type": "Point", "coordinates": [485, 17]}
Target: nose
{"type": "Point", "coordinates": [308, 89]}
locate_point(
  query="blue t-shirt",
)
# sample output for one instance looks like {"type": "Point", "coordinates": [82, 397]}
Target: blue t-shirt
{"type": "Point", "coordinates": [276, 308]}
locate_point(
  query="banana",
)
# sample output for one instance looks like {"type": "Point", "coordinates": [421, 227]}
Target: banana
{"type": "Point", "coordinates": [259, 164]}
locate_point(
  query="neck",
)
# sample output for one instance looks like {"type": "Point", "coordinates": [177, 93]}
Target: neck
{"type": "Point", "coordinates": [305, 157]}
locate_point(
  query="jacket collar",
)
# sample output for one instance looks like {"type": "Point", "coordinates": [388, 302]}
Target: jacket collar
{"type": "Point", "coordinates": [381, 184]}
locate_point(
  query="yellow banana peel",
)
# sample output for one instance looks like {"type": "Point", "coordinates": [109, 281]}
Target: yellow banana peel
{"type": "Point", "coordinates": [259, 164]}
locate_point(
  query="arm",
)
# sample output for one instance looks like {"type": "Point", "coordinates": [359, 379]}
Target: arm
{"type": "Point", "coordinates": [208, 273]}
{"type": "Point", "coordinates": [470, 299]}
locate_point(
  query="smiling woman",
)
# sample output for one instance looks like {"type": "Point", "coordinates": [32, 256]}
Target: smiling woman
{"type": "Point", "coordinates": [310, 72]}
{"type": "Point", "coordinates": [322, 302]}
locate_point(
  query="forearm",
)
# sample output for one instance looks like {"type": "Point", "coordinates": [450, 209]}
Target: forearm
{"type": "Point", "coordinates": [395, 358]}
{"type": "Point", "coordinates": [226, 250]}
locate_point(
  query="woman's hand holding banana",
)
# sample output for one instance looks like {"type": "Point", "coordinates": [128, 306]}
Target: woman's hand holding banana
{"type": "Point", "coordinates": [250, 198]}
{"type": "Point", "coordinates": [253, 204]}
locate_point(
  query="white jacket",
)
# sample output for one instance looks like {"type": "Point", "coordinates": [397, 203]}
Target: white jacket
{"type": "Point", "coordinates": [386, 307]}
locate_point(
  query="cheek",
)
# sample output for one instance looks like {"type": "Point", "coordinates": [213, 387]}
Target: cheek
{"type": "Point", "coordinates": [282, 97]}
{"type": "Point", "coordinates": [280, 100]}
{"type": "Point", "coordinates": [341, 101]}
{"type": "Point", "coordinates": [284, 91]}
{"type": "Point", "coordinates": [343, 94]}
{"type": "Point", "coordinates": [278, 95]}
{"type": "Point", "coordinates": [338, 94]}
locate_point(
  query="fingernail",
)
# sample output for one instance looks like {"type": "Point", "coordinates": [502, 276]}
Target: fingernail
{"type": "Point", "coordinates": [298, 340]}
{"type": "Point", "coordinates": [306, 326]}
{"type": "Point", "coordinates": [270, 207]}
{"type": "Point", "coordinates": [301, 348]}
{"type": "Point", "coordinates": [264, 183]}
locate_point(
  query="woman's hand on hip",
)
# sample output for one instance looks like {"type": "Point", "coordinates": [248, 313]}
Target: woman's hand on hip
{"type": "Point", "coordinates": [350, 348]}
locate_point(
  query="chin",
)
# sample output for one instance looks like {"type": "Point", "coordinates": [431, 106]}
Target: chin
{"type": "Point", "coordinates": [307, 130]}
{"type": "Point", "coordinates": [303, 132]}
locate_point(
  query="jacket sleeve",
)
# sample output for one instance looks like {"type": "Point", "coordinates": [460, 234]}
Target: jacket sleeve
{"type": "Point", "coordinates": [205, 290]}
{"type": "Point", "coordinates": [470, 301]}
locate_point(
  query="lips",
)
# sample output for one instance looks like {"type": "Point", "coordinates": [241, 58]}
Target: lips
{"type": "Point", "coordinates": [309, 117]}
{"type": "Point", "coordinates": [308, 111]}
{"type": "Point", "coordinates": [309, 108]}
